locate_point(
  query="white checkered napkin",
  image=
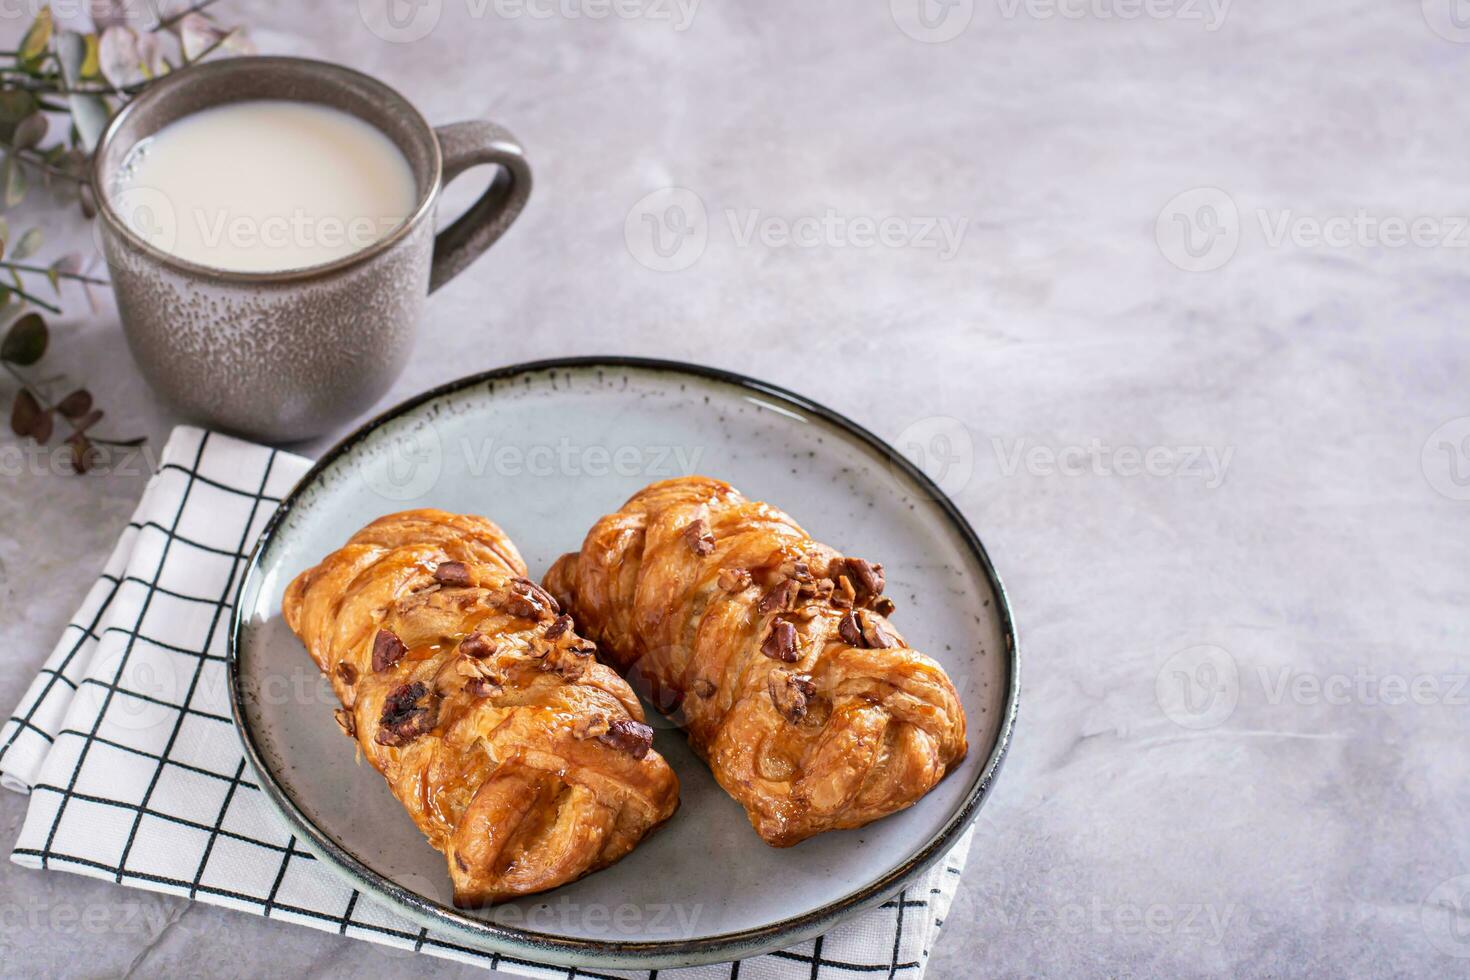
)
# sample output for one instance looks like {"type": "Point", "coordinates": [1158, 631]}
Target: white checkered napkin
{"type": "Point", "coordinates": [136, 774]}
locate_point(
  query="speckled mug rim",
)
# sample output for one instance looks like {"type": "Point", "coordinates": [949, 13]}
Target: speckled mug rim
{"type": "Point", "coordinates": [540, 948]}
{"type": "Point", "coordinates": [192, 74]}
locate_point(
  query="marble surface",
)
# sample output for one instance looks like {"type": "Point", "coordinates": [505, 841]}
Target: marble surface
{"type": "Point", "coordinates": [1192, 360]}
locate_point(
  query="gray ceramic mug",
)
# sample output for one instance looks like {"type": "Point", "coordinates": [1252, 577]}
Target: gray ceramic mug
{"type": "Point", "coordinates": [284, 356]}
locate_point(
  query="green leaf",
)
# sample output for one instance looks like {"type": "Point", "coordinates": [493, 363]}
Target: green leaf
{"type": "Point", "coordinates": [15, 105]}
{"type": "Point", "coordinates": [91, 67]}
{"type": "Point", "coordinates": [13, 181]}
{"type": "Point", "coordinates": [38, 37]}
{"type": "Point", "coordinates": [68, 265]}
{"type": "Point", "coordinates": [29, 132]}
{"type": "Point", "coordinates": [29, 244]}
{"type": "Point", "coordinates": [89, 113]}
{"type": "Point", "coordinates": [25, 342]}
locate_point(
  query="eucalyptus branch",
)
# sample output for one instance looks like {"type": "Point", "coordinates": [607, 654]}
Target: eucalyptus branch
{"type": "Point", "coordinates": [54, 71]}
{"type": "Point", "coordinates": [30, 298]}
{"type": "Point", "coordinates": [30, 82]}
{"type": "Point", "coordinates": [42, 270]}
{"type": "Point", "coordinates": [34, 159]}
{"type": "Point", "coordinates": [25, 384]}
{"type": "Point", "coordinates": [173, 19]}
{"type": "Point", "coordinates": [213, 47]}
{"type": "Point", "coordinates": [34, 415]}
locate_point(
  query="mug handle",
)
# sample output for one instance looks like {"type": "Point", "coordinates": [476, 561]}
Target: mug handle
{"type": "Point", "coordinates": [465, 145]}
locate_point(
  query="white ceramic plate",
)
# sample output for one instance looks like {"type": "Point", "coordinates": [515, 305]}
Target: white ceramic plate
{"type": "Point", "coordinates": [544, 450]}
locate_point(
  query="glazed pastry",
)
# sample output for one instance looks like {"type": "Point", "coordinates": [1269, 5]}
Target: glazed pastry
{"type": "Point", "coordinates": [773, 652]}
{"type": "Point", "coordinates": [518, 755]}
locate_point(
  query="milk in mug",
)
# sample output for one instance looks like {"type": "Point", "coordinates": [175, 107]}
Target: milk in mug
{"type": "Point", "coordinates": [264, 186]}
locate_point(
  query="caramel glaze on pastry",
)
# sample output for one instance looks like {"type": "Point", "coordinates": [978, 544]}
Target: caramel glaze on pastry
{"type": "Point", "coordinates": [517, 754]}
{"type": "Point", "coordinates": [772, 651]}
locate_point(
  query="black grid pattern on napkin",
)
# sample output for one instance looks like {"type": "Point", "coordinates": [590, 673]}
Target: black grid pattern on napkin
{"type": "Point", "coordinates": [37, 717]}
{"type": "Point", "coordinates": [144, 782]}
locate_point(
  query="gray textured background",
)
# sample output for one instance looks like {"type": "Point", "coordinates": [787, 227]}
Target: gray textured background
{"type": "Point", "coordinates": [1242, 745]}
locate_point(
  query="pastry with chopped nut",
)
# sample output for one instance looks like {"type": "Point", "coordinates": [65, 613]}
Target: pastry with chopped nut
{"type": "Point", "coordinates": [520, 757]}
{"type": "Point", "coordinates": [772, 651]}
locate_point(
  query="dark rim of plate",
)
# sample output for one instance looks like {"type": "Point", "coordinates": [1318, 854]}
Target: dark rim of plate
{"type": "Point", "coordinates": [621, 954]}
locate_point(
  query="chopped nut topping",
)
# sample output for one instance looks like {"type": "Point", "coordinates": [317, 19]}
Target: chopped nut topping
{"type": "Point", "coordinates": [780, 643]}
{"type": "Point", "coordinates": [790, 693]}
{"type": "Point", "coordinates": [453, 574]}
{"type": "Point", "coordinates": [820, 589]}
{"type": "Point", "coordinates": [781, 597]}
{"type": "Point", "coordinates": [388, 649]}
{"type": "Point", "coordinates": [481, 687]}
{"type": "Point", "coordinates": [863, 629]}
{"type": "Point", "coordinates": [470, 667]}
{"type": "Point", "coordinates": [703, 688]}
{"type": "Point", "coordinates": [844, 596]}
{"type": "Point", "coordinates": [523, 605]}
{"type": "Point", "coordinates": [632, 737]}
{"type": "Point", "coordinates": [346, 722]}
{"type": "Point", "coordinates": [528, 600]}
{"type": "Point", "coordinates": [346, 672]}
{"type": "Point", "coordinates": [594, 724]}
{"type": "Point", "coordinates": [796, 569]}
{"type": "Point", "coordinates": [734, 579]}
{"type": "Point", "coordinates": [404, 718]}
{"type": "Point", "coordinates": [697, 535]}
{"type": "Point", "coordinates": [562, 651]}
{"type": "Point", "coordinates": [546, 597]}
{"type": "Point", "coordinates": [484, 675]}
{"type": "Point", "coordinates": [466, 599]}
{"type": "Point", "coordinates": [875, 635]}
{"type": "Point", "coordinates": [866, 577]}
{"type": "Point", "coordinates": [570, 668]}
{"type": "Point", "coordinates": [575, 660]}
{"type": "Point", "coordinates": [477, 646]}
{"type": "Point", "coordinates": [883, 606]}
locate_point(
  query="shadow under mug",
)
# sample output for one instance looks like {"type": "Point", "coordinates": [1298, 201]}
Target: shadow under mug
{"type": "Point", "coordinates": [284, 356]}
